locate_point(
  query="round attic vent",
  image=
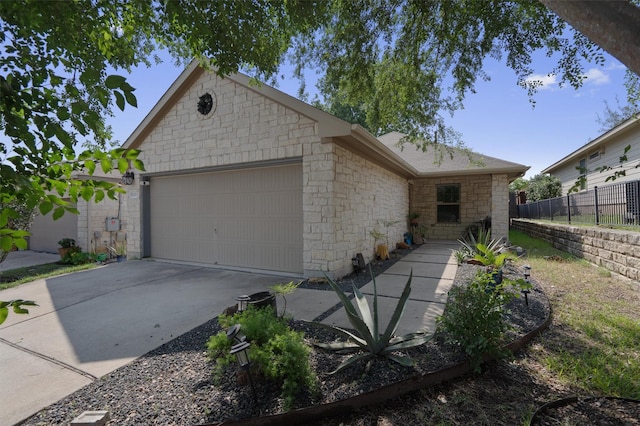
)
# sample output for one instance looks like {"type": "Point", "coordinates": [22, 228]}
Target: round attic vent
{"type": "Point", "coordinates": [205, 104]}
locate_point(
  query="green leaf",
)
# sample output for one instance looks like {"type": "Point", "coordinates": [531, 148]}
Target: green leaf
{"type": "Point", "coordinates": [132, 154]}
{"type": "Point", "coordinates": [138, 165]}
{"type": "Point", "coordinates": [58, 213]}
{"type": "Point", "coordinates": [20, 242]}
{"type": "Point", "coordinates": [99, 196]}
{"type": "Point", "coordinates": [402, 360]}
{"type": "Point", "coordinates": [62, 114]}
{"type": "Point", "coordinates": [340, 331]}
{"type": "Point", "coordinates": [365, 312]}
{"type": "Point", "coordinates": [6, 242]}
{"type": "Point", "coordinates": [87, 193]}
{"type": "Point", "coordinates": [106, 165]}
{"type": "Point", "coordinates": [131, 99]}
{"type": "Point", "coordinates": [90, 166]}
{"type": "Point", "coordinates": [114, 81]}
{"type": "Point", "coordinates": [4, 313]}
{"type": "Point", "coordinates": [119, 100]}
{"type": "Point", "coordinates": [123, 165]}
{"type": "Point", "coordinates": [352, 360]}
{"type": "Point", "coordinates": [397, 313]}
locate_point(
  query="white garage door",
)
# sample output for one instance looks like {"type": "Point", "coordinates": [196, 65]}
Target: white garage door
{"type": "Point", "coordinates": [244, 218]}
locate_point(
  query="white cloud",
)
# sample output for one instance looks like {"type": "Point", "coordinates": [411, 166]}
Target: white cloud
{"type": "Point", "coordinates": [548, 81]}
{"type": "Point", "coordinates": [597, 77]}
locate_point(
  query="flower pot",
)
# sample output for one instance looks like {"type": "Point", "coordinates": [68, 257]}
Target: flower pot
{"type": "Point", "coordinates": [63, 251]}
{"type": "Point", "coordinates": [382, 251]}
{"type": "Point", "coordinates": [263, 299]}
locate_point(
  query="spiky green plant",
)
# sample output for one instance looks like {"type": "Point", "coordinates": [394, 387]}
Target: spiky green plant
{"type": "Point", "coordinates": [470, 242]}
{"type": "Point", "coordinates": [488, 256]}
{"type": "Point", "coordinates": [367, 340]}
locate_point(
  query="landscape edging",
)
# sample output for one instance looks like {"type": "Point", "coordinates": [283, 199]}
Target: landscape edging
{"type": "Point", "coordinates": [377, 396]}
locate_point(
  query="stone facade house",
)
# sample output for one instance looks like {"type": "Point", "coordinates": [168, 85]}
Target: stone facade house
{"type": "Point", "coordinates": [246, 177]}
{"type": "Point", "coordinates": [603, 151]}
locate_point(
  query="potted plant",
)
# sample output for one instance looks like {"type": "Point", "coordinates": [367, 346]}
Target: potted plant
{"type": "Point", "coordinates": [67, 245]}
{"type": "Point", "coordinates": [413, 218]}
{"type": "Point", "coordinates": [119, 250]}
{"type": "Point", "coordinates": [419, 233]}
{"type": "Point", "coordinates": [382, 249]}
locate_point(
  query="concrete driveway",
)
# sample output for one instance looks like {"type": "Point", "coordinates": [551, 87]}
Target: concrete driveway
{"type": "Point", "coordinates": [90, 323]}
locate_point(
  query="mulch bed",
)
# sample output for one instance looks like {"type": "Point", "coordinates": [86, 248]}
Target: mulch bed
{"type": "Point", "coordinates": [173, 385]}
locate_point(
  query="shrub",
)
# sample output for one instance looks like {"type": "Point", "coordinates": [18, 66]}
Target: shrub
{"type": "Point", "coordinates": [78, 257]}
{"type": "Point", "coordinates": [277, 352]}
{"type": "Point", "coordinates": [474, 316]}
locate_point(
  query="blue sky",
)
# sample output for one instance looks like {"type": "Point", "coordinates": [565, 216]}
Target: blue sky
{"type": "Point", "coordinates": [498, 120]}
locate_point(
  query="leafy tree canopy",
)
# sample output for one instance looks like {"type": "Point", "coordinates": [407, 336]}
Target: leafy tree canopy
{"type": "Point", "coordinates": [60, 75]}
{"type": "Point", "coordinates": [542, 187]}
{"type": "Point", "coordinates": [406, 63]}
{"type": "Point", "coordinates": [520, 184]}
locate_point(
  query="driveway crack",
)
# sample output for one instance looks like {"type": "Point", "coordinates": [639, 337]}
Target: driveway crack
{"type": "Point", "coordinates": [49, 359]}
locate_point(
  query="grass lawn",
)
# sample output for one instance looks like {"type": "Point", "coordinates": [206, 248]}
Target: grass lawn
{"type": "Point", "coordinates": [591, 348]}
{"type": "Point", "coordinates": [15, 277]}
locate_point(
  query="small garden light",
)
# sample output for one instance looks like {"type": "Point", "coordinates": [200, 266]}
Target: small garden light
{"type": "Point", "coordinates": [233, 333]}
{"type": "Point", "coordinates": [243, 302]}
{"type": "Point", "coordinates": [527, 272]}
{"type": "Point", "coordinates": [527, 275]}
{"type": "Point", "coordinates": [241, 351]}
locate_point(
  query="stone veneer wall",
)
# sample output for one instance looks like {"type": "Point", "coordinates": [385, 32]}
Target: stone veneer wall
{"type": "Point", "coordinates": [499, 207]}
{"type": "Point", "coordinates": [245, 128]}
{"type": "Point", "coordinates": [92, 218]}
{"type": "Point", "coordinates": [476, 203]}
{"type": "Point", "coordinates": [343, 194]}
{"type": "Point", "coordinates": [364, 195]}
{"type": "Point", "coordinates": [616, 250]}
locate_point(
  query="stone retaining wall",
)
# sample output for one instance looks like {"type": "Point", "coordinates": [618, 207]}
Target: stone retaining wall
{"type": "Point", "coordinates": [616, 250]}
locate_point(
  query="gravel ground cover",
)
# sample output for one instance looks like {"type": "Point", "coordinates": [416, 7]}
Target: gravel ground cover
{"type": "Point", "coordinates": [173, 385]}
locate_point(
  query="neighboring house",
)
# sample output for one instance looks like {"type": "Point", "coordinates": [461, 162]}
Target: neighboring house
{"type": "Point", "coordinates": [247, 177]}
{"type": "Point", "coordinates": [604, 151]}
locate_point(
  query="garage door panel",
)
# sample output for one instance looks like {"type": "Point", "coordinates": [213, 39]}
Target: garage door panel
{"type": "Point", "coordinates": [247, 218]}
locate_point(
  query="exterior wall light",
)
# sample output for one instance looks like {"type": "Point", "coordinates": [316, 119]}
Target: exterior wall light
{"type": "Point", "coordinates": [127, 178]}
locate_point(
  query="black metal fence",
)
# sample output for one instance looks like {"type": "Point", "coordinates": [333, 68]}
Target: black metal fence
{"type": "Point", "coordinates": [616, 204]}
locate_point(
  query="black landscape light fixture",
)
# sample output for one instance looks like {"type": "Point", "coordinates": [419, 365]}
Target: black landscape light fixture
{"type": "Point", "coordinates": [127, 178]}
{"type": "Point", "coordinates": [233, 333]}
{"type": "Point", "coordinates": [241, 351]}
{"type": "Point", "coordinates": [527, 272]}
{"type": "Point", "coordinates": [243, 302]}
{"type": "Point", "coordinates": [527, 275]}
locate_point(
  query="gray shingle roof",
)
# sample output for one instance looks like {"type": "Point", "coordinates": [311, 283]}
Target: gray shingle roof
{"type": "Point", "coordinates": [452, 160]}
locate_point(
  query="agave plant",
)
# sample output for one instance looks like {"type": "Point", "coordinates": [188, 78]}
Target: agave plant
{"type": "Point", "coordinates": [367, 339]}
{"type": "Point", "coordinates": [490, 257]}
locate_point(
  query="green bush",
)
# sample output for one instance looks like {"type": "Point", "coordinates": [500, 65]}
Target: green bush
{"type": "Point", "coordinates": [474, 316]}
{"type": "Point", "coordinates": [277, 352]}
{"type": "Point", "coordinates": [78, 257]}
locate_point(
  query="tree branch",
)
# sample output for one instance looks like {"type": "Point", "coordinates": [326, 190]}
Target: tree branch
{"type": "Point", "coordinates": [612, 25]}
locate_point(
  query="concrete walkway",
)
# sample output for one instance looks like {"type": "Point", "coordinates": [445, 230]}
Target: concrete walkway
{"type": "Point", "coordinates": [90, 323]}
{"type": "Point", "coordinates": [434, 270]}
{"type": "Point", "coordinates": [25, 258]}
